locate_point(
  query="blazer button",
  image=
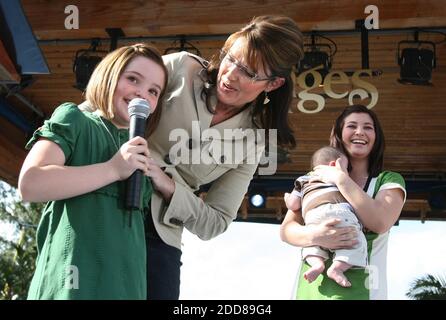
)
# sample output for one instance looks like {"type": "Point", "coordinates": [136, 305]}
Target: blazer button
{"type": "Point", "coordinates": [190, 143]}
{"type": "Point", "coordinates": [176, 221]}
{"type": "Point", "coordinates": [167, 159]}
{"type": "Point", "coordinates": [222, 159]}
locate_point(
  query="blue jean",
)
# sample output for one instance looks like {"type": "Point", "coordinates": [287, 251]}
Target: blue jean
{"type": "Point", "coordinates": [163, 266]}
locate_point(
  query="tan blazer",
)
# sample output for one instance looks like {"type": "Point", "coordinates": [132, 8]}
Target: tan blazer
{"type": "Point", "coordinates": [226, 161]}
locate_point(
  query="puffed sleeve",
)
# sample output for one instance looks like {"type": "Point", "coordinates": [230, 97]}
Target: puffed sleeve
{"type": "Point", "coordinates": [62, 128]}
{"type": "Point", "coordinates": [391, 180]}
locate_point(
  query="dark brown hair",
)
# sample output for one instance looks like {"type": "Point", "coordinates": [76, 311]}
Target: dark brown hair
{"type": "Point", "coordinates": [277, 43]}
{"type": "Point", "coordinates": [325, 155]}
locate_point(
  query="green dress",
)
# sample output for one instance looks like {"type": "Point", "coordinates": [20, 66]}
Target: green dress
{"type": "Point", "coordinates": [88, 247]}
{"type": "Point", "coordinates": [369, 283]}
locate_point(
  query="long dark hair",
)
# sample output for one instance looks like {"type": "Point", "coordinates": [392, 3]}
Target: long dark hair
{"type": "Point", "coordinates": [376, 156]}
{"type": "Point", "coordinates": [277, 43]}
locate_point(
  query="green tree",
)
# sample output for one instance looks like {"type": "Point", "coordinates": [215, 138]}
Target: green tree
{"type": "Point", "coordinates": [17, 255]}
{"type": "Point", "coordinates": [428, 287]}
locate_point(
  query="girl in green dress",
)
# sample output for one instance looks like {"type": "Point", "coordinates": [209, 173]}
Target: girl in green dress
{"type": "Point", "coordinates": [78, 161]}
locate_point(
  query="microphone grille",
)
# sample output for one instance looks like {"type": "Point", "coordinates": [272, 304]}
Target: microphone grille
{"type": "Point", "coordinates": [139, 107]}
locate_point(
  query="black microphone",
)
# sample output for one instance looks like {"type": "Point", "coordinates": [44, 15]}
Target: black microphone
{"type": "Point", "coordinates": [139, 110]}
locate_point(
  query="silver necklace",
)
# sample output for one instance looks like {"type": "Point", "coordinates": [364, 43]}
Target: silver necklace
{"type": "Point", "coordinates": [117, 150]}
{"type": "Point", "coordinates": [111, 136]}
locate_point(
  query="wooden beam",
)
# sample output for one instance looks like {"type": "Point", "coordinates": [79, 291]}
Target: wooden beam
{"type": "Point", "coordinates": [11, 160]}
{"type": "Point", "coordinates": [414, 209]}
{"type": "Point", "coordinates": [420, 207]}
{"type": "Point", "coordinates": [172, 17]}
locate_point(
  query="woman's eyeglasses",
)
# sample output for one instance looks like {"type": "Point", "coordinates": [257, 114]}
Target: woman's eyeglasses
{"type": "Point", "coordinates": [226, 57]}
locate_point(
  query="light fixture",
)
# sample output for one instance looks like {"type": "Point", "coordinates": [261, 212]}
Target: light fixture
{"type": "Point", "coordinates": [317, 55]}
{"type": "Point", "coordinates": [416, 60]}
{"type": "Point", "coordinates": [184, 46]}
{"type": "Point", "coordinates": [257, 199]}
{"type": "Point", "coordinates": [84, 63]}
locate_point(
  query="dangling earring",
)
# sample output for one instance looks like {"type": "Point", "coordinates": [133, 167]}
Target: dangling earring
{"type": "Point", "coordinates": [207, 84]}
{"type": "Point", "coordinates": [266, 101]}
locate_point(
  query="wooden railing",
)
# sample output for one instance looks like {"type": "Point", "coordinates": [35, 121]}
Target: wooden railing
{"type": "Point", "coordinates": [275, 209]}
{"type": "Point", "coordinates": [416, 208]}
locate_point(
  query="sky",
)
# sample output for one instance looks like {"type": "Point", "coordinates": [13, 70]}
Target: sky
{"type": "Point", "coordinates": [8, 231]}
{"type": "Point", "coordinates": [249, 261]}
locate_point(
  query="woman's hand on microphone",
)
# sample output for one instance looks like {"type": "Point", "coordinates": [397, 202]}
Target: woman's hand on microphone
{"type": "Point", "coordinates": [133, 155]}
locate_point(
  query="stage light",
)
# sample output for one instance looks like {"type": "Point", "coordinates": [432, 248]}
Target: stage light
{"type": "Point", "coordinates": [317, 55]}
{"type": "Point", "coordinates": [184, 46]}
{"type": "Point", "coordinates": [416, 66]}
{"type": "Point", "coordinates": [257, 200]}
{"type": "Point", "coordinates": [85, 62]}
{"type": "Point", "coordinates": [315, 58]}
{"type": "Point", "coordinates": [84, 67]}
{"type": "Point", "coordinates": [416, 60]}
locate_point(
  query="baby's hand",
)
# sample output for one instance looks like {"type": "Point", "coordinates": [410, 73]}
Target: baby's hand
{"type": "Point", "coordinates": [292, 202]}
{"type": "Point", "coordinates": [342, 163]}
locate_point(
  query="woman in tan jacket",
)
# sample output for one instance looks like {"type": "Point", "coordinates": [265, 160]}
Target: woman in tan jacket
{"type": "Point", "coordinates": [211, 132]}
